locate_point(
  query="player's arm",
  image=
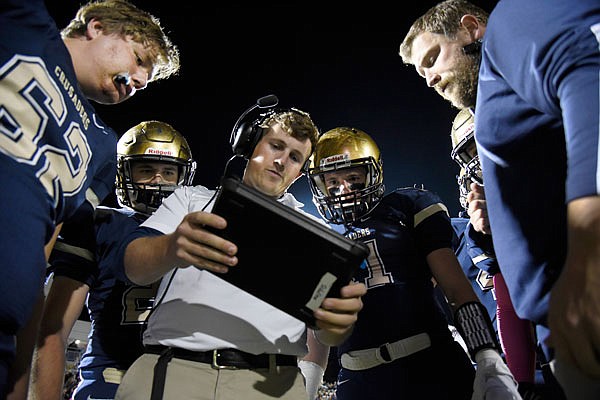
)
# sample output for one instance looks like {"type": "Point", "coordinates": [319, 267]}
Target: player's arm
{"type": "Point", "coordinates": [575, 299]}
{"type": "Point", "coordinates": [21, 368]}
{"type": "Point", "coordinates": [313, 364]}
{"type": "Point", "coordinates": [64, 304]}
{"type": "Point", "coordinates": [449, 275]}
{"type": "Point", "coordinates": [492, 378]}
{"type": "Point", "coordinates": [149, 258]}
{"type": "Point", "coordinates": [50, 245]}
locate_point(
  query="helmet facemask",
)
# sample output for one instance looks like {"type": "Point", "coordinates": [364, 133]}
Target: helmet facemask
{"type": "Point", "coordinates": [464, 183]}
{"type": "Point", "coordinates": [346, 208]}
{"type": "Point", "coordinates": [147, 197]}
{"type": "Point", "coordinates": [464, 153]}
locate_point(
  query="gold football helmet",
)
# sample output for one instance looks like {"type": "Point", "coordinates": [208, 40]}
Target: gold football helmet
{"type": "Point", "coordinates": [464, 148]}
{"type": "Point", "coordinates": [341, 149]}
{"type": "Point", "coordinates": [151, 141]}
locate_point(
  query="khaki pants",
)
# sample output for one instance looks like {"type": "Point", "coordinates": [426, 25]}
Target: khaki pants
{"type": "Point", "coordinates": [189, 380]}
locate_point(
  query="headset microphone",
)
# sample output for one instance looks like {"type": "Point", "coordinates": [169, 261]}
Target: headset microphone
{"type": "Point", "coordinates": [267, 101]}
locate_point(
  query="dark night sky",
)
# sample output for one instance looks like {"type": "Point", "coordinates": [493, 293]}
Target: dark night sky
{"type": "Point", "coordinates": [336, 61]}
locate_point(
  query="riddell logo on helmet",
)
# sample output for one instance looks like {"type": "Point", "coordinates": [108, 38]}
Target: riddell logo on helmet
{"type": "Point", "coordinates": [159, 152]}
{"type": "Point", "coordinates": [328, 161]}
{"type": "Point", "coordinates": [469, 129]}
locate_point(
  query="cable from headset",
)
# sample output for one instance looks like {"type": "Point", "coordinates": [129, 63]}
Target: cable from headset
{"type": "Point", "coordinates": [211, 200]}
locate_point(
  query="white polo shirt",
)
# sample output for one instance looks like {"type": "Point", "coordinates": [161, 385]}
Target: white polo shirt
{"type": "Point", "coordinates": [197, 310]}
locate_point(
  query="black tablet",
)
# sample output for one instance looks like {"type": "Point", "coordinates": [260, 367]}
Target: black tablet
{"type": "Point", "coordinates": [285, 258]}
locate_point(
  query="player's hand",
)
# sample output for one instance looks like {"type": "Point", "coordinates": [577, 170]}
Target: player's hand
{"type": "Point", "coordinates": [192, 244]}
{"type": "Point", "coordinates": [574, 310]}
{"type": "Point", "coordinates": [493, 379]}
{"type": "Point", "coordinates": [336, 316]}
{"type": "Point", "coordinates": [478, 215]}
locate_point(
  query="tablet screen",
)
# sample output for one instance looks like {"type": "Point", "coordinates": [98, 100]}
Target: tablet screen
{"type": "Point", "coordinates": [285, 258]}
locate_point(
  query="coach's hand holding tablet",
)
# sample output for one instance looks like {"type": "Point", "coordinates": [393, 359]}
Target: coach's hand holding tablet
{"type": "Point", "coordinates": [200, 316]}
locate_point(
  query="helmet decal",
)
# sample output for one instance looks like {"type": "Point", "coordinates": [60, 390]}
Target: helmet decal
{"type": "Point", "coordinates": [339, 160]}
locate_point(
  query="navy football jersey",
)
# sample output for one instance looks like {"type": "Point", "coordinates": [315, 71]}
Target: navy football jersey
{"type": "Point", "coordinates": [401, 231]}
{"type": "Point", "coordinates": [55, 156]}
{"type": "Point", "coordinates": [48, 127]}
{"type": "Point", "coordinates": [537, 102]}
{"type": "Point", "coordinates": [117, 310]}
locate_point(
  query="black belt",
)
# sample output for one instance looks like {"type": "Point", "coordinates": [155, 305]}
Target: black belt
{"type": "Point", "coordinates": [227, 358]}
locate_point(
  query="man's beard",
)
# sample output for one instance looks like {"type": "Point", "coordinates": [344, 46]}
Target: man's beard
{"type": "Point", "coordinates": [462, 90]}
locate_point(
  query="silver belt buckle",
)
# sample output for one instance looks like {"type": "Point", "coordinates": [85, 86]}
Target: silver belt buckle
{"type": "Point", "coordinates": [215, 363]}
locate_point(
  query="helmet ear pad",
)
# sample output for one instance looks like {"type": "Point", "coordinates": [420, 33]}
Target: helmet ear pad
{"type": "Point", "coordinates": [247, 136]}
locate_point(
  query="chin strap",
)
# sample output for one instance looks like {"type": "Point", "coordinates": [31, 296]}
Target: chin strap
{"type": "Point", "coordinates": [475, 326]}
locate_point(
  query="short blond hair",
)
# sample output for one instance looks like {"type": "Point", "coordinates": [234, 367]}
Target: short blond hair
{"type": "Point", "coordinates": [125, 19]}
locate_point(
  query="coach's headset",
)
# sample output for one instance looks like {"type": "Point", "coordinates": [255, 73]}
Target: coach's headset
{"type": "Point", "coordinates": [247, 131]}
{"type": "Point", "coordinates": [245, 135]}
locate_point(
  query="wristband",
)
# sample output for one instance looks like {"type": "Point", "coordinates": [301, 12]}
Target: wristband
{"type": "Point", "coordinates": [313, 376]}
{"type": "Point", "coordinates": [475, 326]}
